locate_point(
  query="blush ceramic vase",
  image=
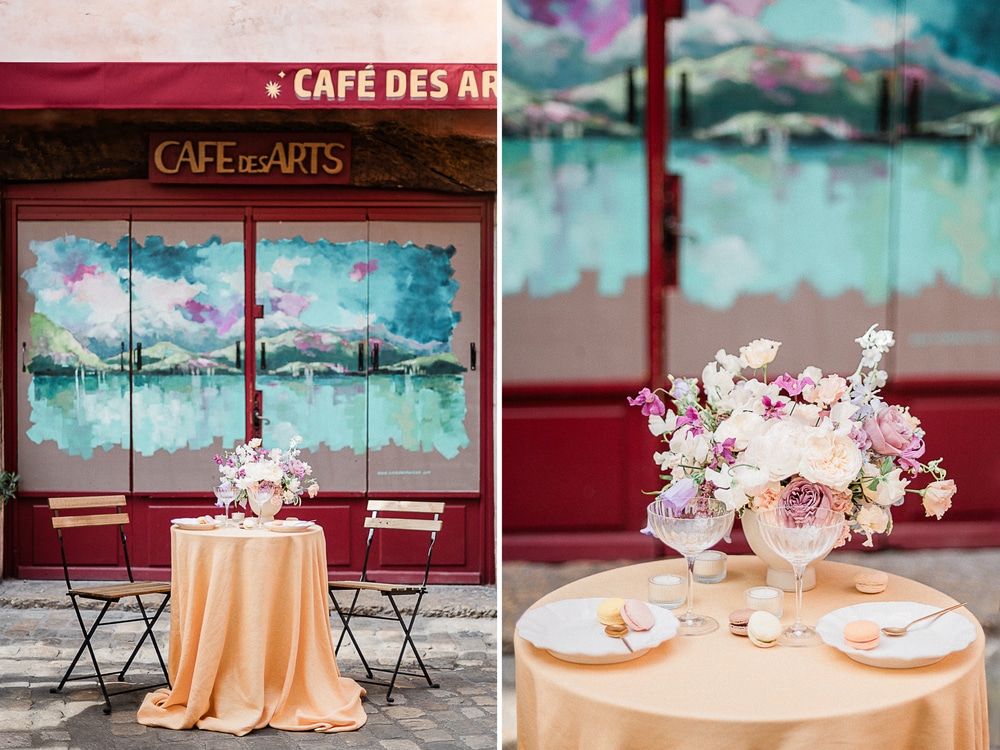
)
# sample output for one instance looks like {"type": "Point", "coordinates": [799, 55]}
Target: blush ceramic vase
{"type": "Point", "coordinates": [779, 571]}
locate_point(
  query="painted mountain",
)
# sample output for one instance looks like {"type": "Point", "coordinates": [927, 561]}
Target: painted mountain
{"type": "Point", "coordinates": [55, 351]}
{"type": "Point", "coordinates": [740, 67]}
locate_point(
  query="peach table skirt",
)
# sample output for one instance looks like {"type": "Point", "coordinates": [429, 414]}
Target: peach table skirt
{"type": "Point", "coordinates": [720, 691]}
{"type": "Point", "coordinates": [250, 641]}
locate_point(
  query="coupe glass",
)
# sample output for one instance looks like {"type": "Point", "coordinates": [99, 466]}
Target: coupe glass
{"type": "Point", "coordinates": [225, 494]}
{"type": "Point", "coordinates": [261, 495]}
{"type": "Point", "coordinates": [800, 537]}
{"type": "Point", "coordinates": [691, 530]}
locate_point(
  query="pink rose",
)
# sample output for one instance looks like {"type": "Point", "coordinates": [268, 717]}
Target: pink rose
{"type": "Point", "coordinates": [801, 496]}
{"type": "Point", "coordinates": [890, 433]}
{"type": "Point", "coordinates": [937, 497]}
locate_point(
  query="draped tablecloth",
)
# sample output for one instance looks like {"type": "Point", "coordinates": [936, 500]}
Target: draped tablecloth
{"type": "Point", "coordinates": [250, 639]}
{"type": "Point", "coordinates": [720, 691]}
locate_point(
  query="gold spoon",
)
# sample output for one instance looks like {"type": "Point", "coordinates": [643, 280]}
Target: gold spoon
{"type": "Point", "coordinates": [902, 630]}
{"type": "Point", "coordinates": [619, 632]}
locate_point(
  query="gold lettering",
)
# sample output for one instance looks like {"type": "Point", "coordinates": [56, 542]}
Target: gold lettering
{"type": "Point", "coordinates": [468, 86]}
{"type": "Point", "coordinates": [188, 157]}
{"type": "Point", "coordinates": [296, 155]}
{"type": "Point", "coordinates": [338, 164]}
{"type": "Point", "coordinates": [324, 85]}
{"type": "Point", "coordinates": [395, 84]}
{"type": "Point", "coordinates": [220, 157]}
{"type": "Point", "coordinates": [366, 83]}
{"type": "Point", "coordinates": [158, 157]}
{"type": "Point", "coordinates": [439, 84]}
{"type": "Point", "coordinates": [300, 90]}
{"type": "Point", "coordinates": [277, 157]}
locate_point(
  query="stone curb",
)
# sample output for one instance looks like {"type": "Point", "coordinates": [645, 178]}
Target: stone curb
{"type": "Point", "coordinates": [476, 602]}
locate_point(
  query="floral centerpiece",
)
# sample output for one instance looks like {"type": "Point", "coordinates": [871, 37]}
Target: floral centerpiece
{"type": "Point", "coordinates": [258, 473]}
{"type": "Point", "coordinates": [803, 442]}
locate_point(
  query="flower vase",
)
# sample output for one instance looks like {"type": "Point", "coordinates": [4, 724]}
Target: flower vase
{"type": "Point", "coordinates": [779, 571]}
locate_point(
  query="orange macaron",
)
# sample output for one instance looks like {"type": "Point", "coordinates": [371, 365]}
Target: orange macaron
{"type": "Point", "coordinates": [863, 635]}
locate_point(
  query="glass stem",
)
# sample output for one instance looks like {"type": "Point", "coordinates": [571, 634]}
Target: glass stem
{"type": "Point", "coordinates": [799, 572]}
{"type": "Point", "coordinates": [689, 615]}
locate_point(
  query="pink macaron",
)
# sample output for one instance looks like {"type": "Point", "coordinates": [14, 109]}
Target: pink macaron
{"type": "Point", "coordinates": [637, 615]}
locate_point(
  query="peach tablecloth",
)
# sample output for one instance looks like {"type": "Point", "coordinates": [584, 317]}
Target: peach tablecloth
{"type": "Point", "coordinates": [250, 640]}
{"type": "Point", "coordinates": [720, 691]}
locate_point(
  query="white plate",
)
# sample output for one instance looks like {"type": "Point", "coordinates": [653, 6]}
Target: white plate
{"type": "Point", "coordinates": [192, 524]}
{"type": "Point", "coordinates": [289, 527]}
{"type": "Point", "coordinates": [568, 629]}
{"type": "Point", "coordinates": [925, 643]}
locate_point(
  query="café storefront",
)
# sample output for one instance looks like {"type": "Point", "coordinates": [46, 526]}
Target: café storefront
{"type": "Point", "coordinates": [197, 254]}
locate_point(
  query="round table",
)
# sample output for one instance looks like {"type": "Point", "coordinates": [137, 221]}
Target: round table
{"type": "Point", "coordinates": [720, 691]}
{"type": "Point", "coordinates": [250, 639]}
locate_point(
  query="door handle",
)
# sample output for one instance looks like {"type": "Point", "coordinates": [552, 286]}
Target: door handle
{"type": "Point", "coordinates": [258, 418]}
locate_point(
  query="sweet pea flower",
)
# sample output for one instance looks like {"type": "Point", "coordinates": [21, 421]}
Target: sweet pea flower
{"type": "Point", "coordinates": [888, 489]}
{"type": "Point", "coordinates": [872, 519]}
{"type": "Point", "coordinates": [759, 353]}
{"type": "Point", "coordinates": [650, 403]}
{"type": "Point", "coordinates": [937, 497]}
{"type": "Point", "coordinates": [729, 362]}
{"type": "Point", "coordinates": [678, 495]}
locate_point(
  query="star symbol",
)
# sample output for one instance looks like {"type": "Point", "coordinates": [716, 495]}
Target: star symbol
{"type": "Point", "coordinates": [281, 74]}
{"type": "Point", "coordinates": [273, 89]}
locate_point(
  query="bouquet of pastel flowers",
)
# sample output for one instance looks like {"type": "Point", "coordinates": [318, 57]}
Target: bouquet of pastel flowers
{"type": "Point", "coordinates": [800, 442]}
{"type": "Point", "coordinates": [251, 467]}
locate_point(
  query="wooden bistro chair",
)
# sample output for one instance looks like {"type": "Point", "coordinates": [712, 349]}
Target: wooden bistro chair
{"type": "Point", "coordinates": [409, 516]}
{"type": "Point", "coordinates": [111, 513]}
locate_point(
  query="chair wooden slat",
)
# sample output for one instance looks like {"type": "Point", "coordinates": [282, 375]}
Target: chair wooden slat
{"type": "Point", "coordinates": [94, 501]}
{"type": "Point", "coordinates": [115, 591]}
{"type": "Point", "coordinates": [104, 519]}
{"type": "Point", "coordinates": [406, 506]}
{"type": "Point", "coordinates": [410, 524]}
{"type": "Point", "coordinates": [374, 586]}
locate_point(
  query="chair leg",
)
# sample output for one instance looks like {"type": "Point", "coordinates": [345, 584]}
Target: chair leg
{"type": "Point", "coordinates": [346, 621]}
{"type": "Point", "coordinates": [88, 646]}
{"type": "Point", "coordinates": [407, 639]}
{"type": "Point", "coordinates": [148, 632]}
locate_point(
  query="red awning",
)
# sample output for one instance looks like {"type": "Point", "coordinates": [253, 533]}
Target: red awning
{"type": "Point", "coordinates": [247, 86]}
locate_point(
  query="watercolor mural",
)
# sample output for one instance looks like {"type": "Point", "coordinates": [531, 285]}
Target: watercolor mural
{"type": "Point", "coordinates": [145, 350]}
{"type": "Point", "coordinates": [851, 147]}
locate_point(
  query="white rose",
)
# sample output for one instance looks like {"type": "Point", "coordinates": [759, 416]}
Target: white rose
{"type": "Point", "coordinates": [891, 488]}
{"type": "Point", "coordinates": [758, 353]}
{"type": "Point", "coordinates": [777, 449]}
{"type": "Point", "coordinates": [830, 458]}
{"type": "Point", "coordinates": [740, 426]}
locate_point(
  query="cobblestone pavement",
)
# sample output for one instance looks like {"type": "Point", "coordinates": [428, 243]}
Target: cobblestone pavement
{"type": "Point", "coordinates": [37, 641]}
{"type": "Point", "coordinates": [968, 575]}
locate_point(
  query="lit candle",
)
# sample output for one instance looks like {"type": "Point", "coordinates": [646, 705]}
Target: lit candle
{"type": "Point", "coordinates": [667, 591]}
{"type": "Point", "coordinates": [765, 598]}
{"type": "Point", "coordinates": [710, 566]}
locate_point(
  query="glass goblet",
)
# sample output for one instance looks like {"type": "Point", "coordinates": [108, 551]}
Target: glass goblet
{"type": "Point", "coordinates": [800, 537]}
{"type": "Point", "coordinates": [260, 495]}
{"type": "Point", "coordinates": [225, 494]}
{"type": "Point", "coordinates": [691, 530]}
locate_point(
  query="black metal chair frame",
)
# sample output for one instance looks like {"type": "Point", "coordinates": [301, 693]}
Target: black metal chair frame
{"type": "Point", "coordinates": [390, 591]}
{"type": "Point", "coordinates": [110, 593]}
